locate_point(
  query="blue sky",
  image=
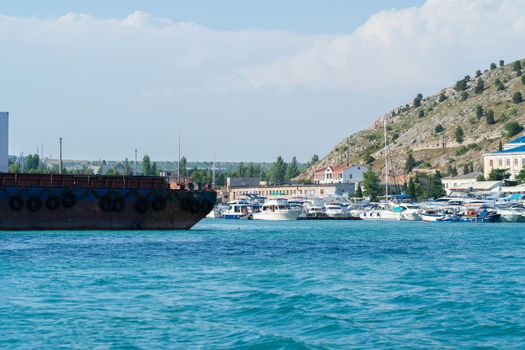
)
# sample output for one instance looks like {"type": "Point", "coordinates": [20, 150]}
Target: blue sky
{"type": "Point", "coordinates": [306, 16]}
{"type": "Point", "coordinates": [262, 78]}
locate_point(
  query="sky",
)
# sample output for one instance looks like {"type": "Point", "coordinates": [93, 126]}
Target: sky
{"type": "Point", "coordinates": [261, 78]}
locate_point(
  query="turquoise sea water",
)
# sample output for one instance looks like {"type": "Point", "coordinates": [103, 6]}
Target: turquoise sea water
{"type": "Point", "coordinates": [266, 285]}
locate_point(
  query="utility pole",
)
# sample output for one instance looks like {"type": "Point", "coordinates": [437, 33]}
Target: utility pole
{"type": "Point", "coordinates": [213, 167]}
{"type": "Point", "coordinates": [135, 162]}
{"type": "Point", "coordinates": [60, 159]}
{"type": "Point", "coordinates": [178, 163]}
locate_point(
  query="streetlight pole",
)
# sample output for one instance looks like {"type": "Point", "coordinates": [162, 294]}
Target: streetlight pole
{"type": "Point", "coordinates": [60, 157]}
{"type": "Point", "coordinates": [135, 162]}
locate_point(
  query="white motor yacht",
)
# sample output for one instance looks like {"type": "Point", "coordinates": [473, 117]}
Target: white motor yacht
{"type": "Point", "coordinates": [238, 210]}
{"type": "Point", "coordinates": [335, 210]}
{"type": "Point", "coordinates": [379, 213]}
{"type": "Point", "coordinates": [277, 209]}
{"type": "Point", "coordinates": [408, 212]}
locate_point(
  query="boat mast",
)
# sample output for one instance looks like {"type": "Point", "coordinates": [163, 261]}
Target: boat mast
{"type": "Point", "coordinates": [386, 164]}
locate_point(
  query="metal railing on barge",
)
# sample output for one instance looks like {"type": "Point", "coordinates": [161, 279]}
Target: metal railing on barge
{"type": "Point", "coordinates": [84, 181]}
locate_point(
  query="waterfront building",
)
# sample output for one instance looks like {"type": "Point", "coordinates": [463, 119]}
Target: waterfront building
{"type": "Point", "coordinates": [340, 174]}
{"type": "Point", "coordinates": [4, 142]}
{"type": "Point", "coordinates": [511, 158]}
{"type": "Point", "coordinates": [289, 191]}
{"type": "Point", "coordinates": [452, 182]}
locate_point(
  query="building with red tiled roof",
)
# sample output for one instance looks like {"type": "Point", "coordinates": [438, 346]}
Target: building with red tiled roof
{"type": "Point", "coordinates": [340, 174]}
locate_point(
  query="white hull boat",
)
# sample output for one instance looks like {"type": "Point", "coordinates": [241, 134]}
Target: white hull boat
{"type": "Point", "coordinates": [277, 209]}
{"type": "Point", "coordinates": [379, 215]}
{"type": "Point", "coordinates": [509, 215]}
{"type": "Point", "coordinates": [291, 214]}
{"type": "Point", "coordinates": [432, 217]}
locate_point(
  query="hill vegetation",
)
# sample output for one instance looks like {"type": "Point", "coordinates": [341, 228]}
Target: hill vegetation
{"type": "Point", "coordinates": [448, 131]}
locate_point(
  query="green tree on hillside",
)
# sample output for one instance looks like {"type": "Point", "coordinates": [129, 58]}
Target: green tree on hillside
{"type": "Point", "coordinates": [463, 96]}
{"type": "Point", "coordinates": [499, 85]}
{"type": "Point", "coordinates": [439, 128]}
{"type": "Point", "coordinates": [421, 114]}
{"type": "Point", "coordinates": [493, 66]}
{"type": "Point", "coordinates": [489, 117]}
{"type": "Point", "coordinates": [516, 66]}
{"type": "Point", "coordinates": [513, 128]}
{"type": "Point", "coordinates": [434, 189]}
{"type": "Point", "coordinates": [315, 159]}
{"type": "Point", "coordinates": [442, 97]}
{"type": "Point", "coordinates": [480, 86]}
{"type": "Point", "coordinates": [501, 63]}
{"type": "Point", "coordinates": [500, 146]}
{"type": "Point", "coordinates": [371, 185]}
{"type": "Point", "coordinates": [277, 172]}
{"type": "Point", "coordinates": [518, 73]}
{"type": "Point", "coordinates": [517, 97]}
{"type": "Point", "coordinates": [523, 79]}
{"type": "Point", "coordinates": [478, 73]}
{"type": "Point", "coordinates": [459, 134]}
{"type": "Point", "coordinates": [410, 163]}
{"type": "Point", "coordinates": [479, 111]}
{"type": "Point", "coordinates": [461, 85]}
{"type": "Point", "coordinates": [417, 100]}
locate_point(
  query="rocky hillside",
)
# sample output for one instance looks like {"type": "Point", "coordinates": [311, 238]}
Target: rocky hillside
{"type": "Point", "coordinates": [481, 105]}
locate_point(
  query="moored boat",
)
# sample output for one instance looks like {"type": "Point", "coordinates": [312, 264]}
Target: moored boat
{"type": "Point", "coordinates": [277, 209]}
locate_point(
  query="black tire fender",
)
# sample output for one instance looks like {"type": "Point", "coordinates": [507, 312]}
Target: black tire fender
{"type": "Point", "coordinates": [69, 199]}
{"type": "Point", "coordinates": [142, 205]}
{"type": "Point", "coordinates": [52, 202]}
{"type": "Point", "coordinates": [119, 204]}
{"type": "Point", "coordinates": [16, 203]}
{"type": "Point", "coordinates": [158, 203]}
{"type": "Point", "coordinates": [34, 203]}
{"type": "Point", "coordinates": [106, 203]}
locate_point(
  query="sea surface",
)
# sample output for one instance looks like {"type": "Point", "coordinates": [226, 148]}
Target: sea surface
{"type": "Point", "coordinates": [266, 285]}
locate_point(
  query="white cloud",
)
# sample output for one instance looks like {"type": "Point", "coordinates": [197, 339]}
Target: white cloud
{"type": "Point", "coordinates": [410, 48]}
{"type": "Point", "coordinates": [142, 78]}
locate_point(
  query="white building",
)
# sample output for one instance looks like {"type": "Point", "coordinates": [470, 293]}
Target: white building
{"type": "Point", "coordinates": [453, 182]}
{"type": "Point", "coordinates": [4, 141]}
{"type": "Point", "coordinates": [340, 174]}
{"type": "Point", "coordinates": [511, 158]}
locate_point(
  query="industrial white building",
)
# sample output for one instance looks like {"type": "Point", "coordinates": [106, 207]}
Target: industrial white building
{"type": "Point", "coordinates": [4, 141]}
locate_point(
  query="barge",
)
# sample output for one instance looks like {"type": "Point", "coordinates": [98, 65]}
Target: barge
{"type": "Point", "coordinates": [83, 202]}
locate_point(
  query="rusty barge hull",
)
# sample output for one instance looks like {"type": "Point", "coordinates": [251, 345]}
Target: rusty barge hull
{"type": "Point", "coordinates": [66, 202]}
